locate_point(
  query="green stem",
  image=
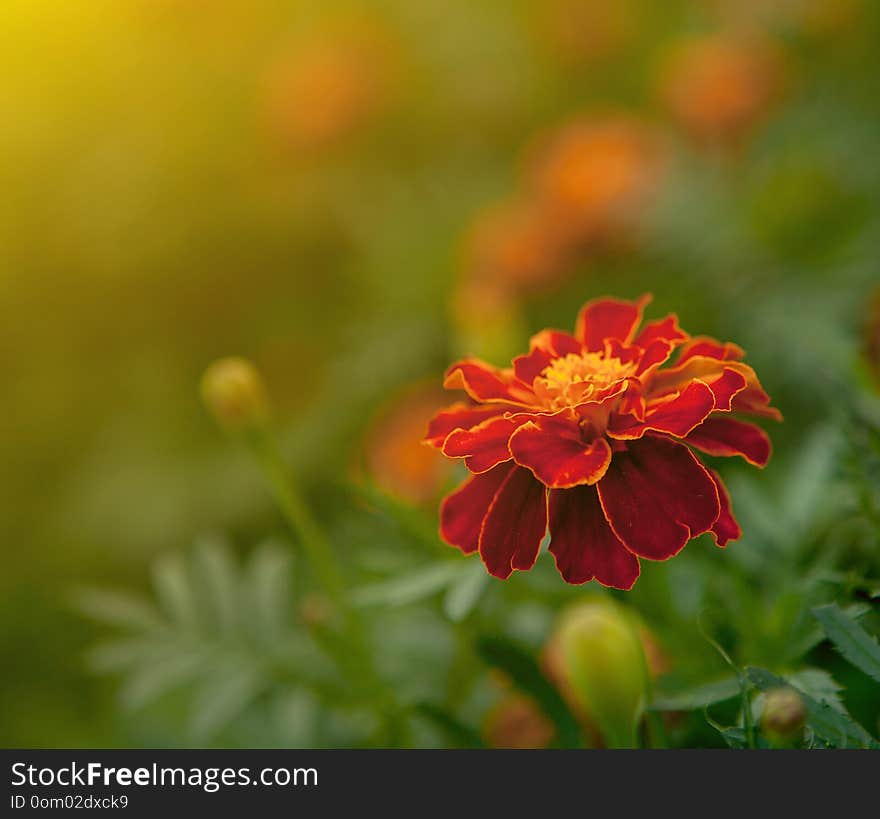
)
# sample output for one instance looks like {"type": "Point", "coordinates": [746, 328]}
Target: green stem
{"type": "Point", "coordinates": [320, 554]}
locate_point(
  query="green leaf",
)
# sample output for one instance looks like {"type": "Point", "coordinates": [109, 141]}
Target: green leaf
{"type": "Point", "coordinates": [408, 588]}
{"type": "Point", "coordinates": [174, 590]}
{"type": "Point", "coordinates": [699, 696]}
{"type": "Point", "coordinates": [465, 592]}
{"type": "Point", "coordinates": [836, 729]}
{"type": "Point", "coordinates": [218, 574]}
{"type": "Point", "coordinates": [224, 694]}
{"type": "Point", "coordinates": [850, 639]}
{"type": "Point", "coordinates": [119, 609]}
{"type": "Point", "coordinates": [820, 685]}
{"type": "Point", "coordinates": [461, 735]}
{"type": "Point", "coordinates": [522, 668]}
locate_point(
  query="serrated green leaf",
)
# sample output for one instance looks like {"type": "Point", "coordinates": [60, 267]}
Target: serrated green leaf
{"type": "Point", "coordinates": [820, 685]}
{"type": "Point", "coordinates": [267, 596]}
{"type": "Point", "coordinates": [523, 670]}
{"type": "Point", "coordinates": [699, 696]}
{"type": "Point", "coordinates": [218, 575]}
{"type": "Point", "coordinates": [836, 729]}
{"type": "Point", "coordinates": [150, 682]}
{"type": "Point", "coordinates": [226, 692]}
{"type": "Point", "coordinates": [850, 639]}
{"type": "Point", "coordinates": [174, 590]}
{"type": "Point", "coordinates": [119, 609]}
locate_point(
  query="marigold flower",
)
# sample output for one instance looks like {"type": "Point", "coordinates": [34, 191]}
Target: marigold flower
{"type": "Point", "coordinates": [326, 88]}
{"type": "Point", "coordinates": [515, 246]}
{"type": "Point", "coordinates": [596, 176]}
{"type": "Point", "coordinates": [395, 457]}
{"type": "Point", "coordinates": [589, 434]}
{"type": "Point", "coordinates": [719, 86]}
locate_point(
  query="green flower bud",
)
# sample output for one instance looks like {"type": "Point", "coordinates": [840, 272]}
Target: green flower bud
{"type": "Point", "coordinates": [604, 667]}
{"type": "Point", "coordinates": [783, 717]}
{"type": "Point", "coordinates": [233, 391]}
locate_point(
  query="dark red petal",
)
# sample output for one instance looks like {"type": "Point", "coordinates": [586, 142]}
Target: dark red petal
{"type": "Point", "coordinates": [708, 347]}
{"type": "Point", "coordinates": [726, 528]}
{"type": "Point", "coordinates": [676, 417]}
{"type": "Point", "coordinates": [462, 512]}
{"type": "Point", "coordinates": [727, 436]}
{"type": "Point", "coordinates": [528, 367]}
{"type": "Point", "coordinates": [584, 545]}
{"type": "Point", "coordinates": [460, 416]}
{"type": "Point", "coordinates": [666, 329]}
{"type": "Point", "coordinates": [608, 318]}
{"type": "Point", "coordinates": [515, 525]}
{"type": "Point", "coordinates": [656, 495]}
{"type": "Point", "coordinates": [484, 445]}
{"type": "Point", "coordinates": [725, 387]}
{"type": "Point", "coordinates": [557, 455]}
{"type": "Point", "coordinates": [483, 382]}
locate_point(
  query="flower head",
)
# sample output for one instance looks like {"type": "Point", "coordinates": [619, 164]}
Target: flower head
{"type": "Point", "coordinates": [594, 435]}
{"type": "Point", "coordinates": [597, 175]}
{"type": "Point", "coordinates": [719, 86]}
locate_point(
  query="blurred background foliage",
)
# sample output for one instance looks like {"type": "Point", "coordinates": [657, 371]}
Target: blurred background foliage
{"type": "Point", "coordinates": [350, 195]}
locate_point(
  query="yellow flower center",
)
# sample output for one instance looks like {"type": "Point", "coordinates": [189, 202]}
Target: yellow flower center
{"type": "Point", "coordinates": [575, 379]}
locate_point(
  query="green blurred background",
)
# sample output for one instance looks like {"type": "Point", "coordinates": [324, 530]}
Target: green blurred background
{"type": "Point", "coordinates": [299, 183]}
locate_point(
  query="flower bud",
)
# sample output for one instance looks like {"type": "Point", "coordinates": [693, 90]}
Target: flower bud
{"type": "Point", "coordinates": [783, 717]}
{"type": "Point", "coordinates": [233, 391]}
{"type": "Point", "coordinates": [603, 667]}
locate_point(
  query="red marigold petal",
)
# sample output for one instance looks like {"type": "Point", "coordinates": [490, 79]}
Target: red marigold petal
{"type": "Point", "coordinates": [557, 342]}
{"type": "Point", "coordinates": [710, 348]}
{"type": "Point", "coordinates": [460, 416]}
{"type": "Point", "coordinates": [728, 436]}
{"type": "Point", "coordinates": [528, 367]}
{"type": "Point", "coordinates": [665, 329]}
{"type": "Point", "coordinates": [557, 455]}
{"type": "Point", "coordinates": [484, 445]}
{"type": "Point", "coordinates": [483, 382]}
{"type": "Point", "coordinates": [463, 511]}
{"type": "Point", "coordinates": [608, 318]}
{"type": "Point", "coordinates": [583, 544]}
{"type": "Point", "coordinates": [655, 354]}
{"type": "Point", "coordinates": [656, 495]}
{"type": "Point", "coordinates": [729, 384]}
{"type": "Point", "coordinates": [515, 525]}
{"type": "Point", "coordinates": [676, 417]}
{"type": "Point", "coordinates": [754, 401]}
{"type": "Point", "coordinates": [725, 528]}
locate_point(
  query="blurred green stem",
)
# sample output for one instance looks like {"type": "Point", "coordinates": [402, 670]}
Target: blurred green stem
{"type": "Point", "coordinates": [359, 664]}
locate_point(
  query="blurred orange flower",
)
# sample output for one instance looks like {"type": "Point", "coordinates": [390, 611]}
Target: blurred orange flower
{"type": "Point", "coordinates": [326, 88]}
{"type": "Point", "coordinates": [718, 86]}
{"type": "Point", "coordinates": [396, 458]}
{"type": "Point", "coordinates": [596, 177]}
{"type": "Point", "coordinates": [517, 722]}
{"type": "Point", "coordinates": [515, 246]}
